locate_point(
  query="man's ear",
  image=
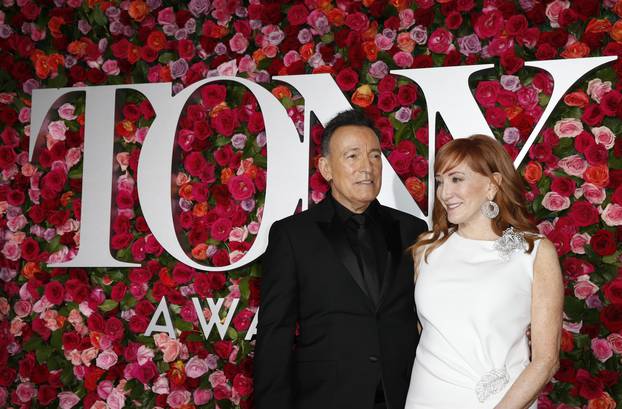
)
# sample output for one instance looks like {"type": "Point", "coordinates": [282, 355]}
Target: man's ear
{"type": "Point", "coordinates": [324, 168]}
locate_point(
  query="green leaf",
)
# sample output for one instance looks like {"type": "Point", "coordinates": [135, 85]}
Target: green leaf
{"type": "Point", "coordinates": [43, 353]}
{"type": "Point", "coordinates": [54, 244]}
{"type": "Point", "coordinates": [108, 305]}
{"type": "Point", "coordinates": [99, 17]}
{"type": "Point", "coordinates": [56, 340]}
{"type": "Point", "coordinates": [165, 58]}
{"type": "Point", "coordinates": [33, 343]}
{"type": "Point", "coordinates": [183, 325]}
{"type": "Point", "coordinates": [57, 82]}
{"type": "Point", "coordinates": [244, 288]}
{"type": "Point", "coordinates": [574, 308]}
{"type": "Point", "coordinates": [232, 333]}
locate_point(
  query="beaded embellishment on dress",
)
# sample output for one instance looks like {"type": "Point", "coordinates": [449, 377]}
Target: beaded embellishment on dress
{"type": "Point", "coordinates": [510, 242]}
{"type": "Point", "coordinates": [491, 383]}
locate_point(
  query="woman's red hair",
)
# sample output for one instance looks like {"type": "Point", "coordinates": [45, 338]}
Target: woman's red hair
{"type": "Point", "coordinates": [485, 156]}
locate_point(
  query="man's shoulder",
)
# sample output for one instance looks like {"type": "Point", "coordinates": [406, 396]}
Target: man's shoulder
{"type": "Point", "coordinates": [405, 219]}
{"type": "Point", "coordinates": [302, 218]}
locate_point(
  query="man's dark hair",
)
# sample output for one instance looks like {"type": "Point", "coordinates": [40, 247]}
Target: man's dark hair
{"type": "Point", "coordinates": [351, 117]}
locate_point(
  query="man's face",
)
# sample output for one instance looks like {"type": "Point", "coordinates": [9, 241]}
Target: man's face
{"type": "Point", "coordinates": [353, 166]}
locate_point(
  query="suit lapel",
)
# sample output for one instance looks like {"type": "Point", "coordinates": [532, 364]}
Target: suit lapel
{"type": "Point", "coordinates": [335, 235]}
{"type": "Point", "coordinates": [394, 253]}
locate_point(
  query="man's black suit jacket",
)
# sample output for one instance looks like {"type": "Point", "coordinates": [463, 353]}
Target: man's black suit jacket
{"type": "Point", "coordinates": [311, 279]}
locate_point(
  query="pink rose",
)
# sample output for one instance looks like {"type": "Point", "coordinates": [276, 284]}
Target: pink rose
{"type": "Point", "coordinates": [178, 398]}
{"type": "Point", "coordinates": [584, 288]}
{"type": "Point", "coordinates": [106, 360]}
{"type": "Point", "coordinates": [67, 400]}
{"type": "Point", "coordinates": [87, 355]}
{"type": "Point", "coordinates": [201, 396]}
{"type": "Point", "coordinates": [555, 202]}
{"type": "Point", "coordinates": [612, 215]}
{"type": "Point", "coordinates": [57, 130]}
{"type": "Point", "coordinates": [597, 89]}
{"type": "Point", "coordinates": [25, 391]}
{"type": "Point", "coordinates": [196, 367]}
{"type": "Point", "coordinates": [568, 128]}
{"type": "Point", "coordinates": [290, 58]}
{"type": "Point", "coordinates": [160, 386]}
{"type": "Point", "coordinates": [99, 404]}
{"type": "Point", "coordinates": [593, 193]}
{"type": "Point", "coordinates": [527, 97]}
{"type": "Point", "coordinates": [67, 111]}
{"type": "Point", "coordinates": [217, 378]}
{"type": "Point", "coordinates": [22, 308]}
{"type": "Point", "coordinates": [573, 165]}
{"type": "Point", "coordinates": [111, 67]}
{"type": "Point", "coordinates": [440, 41]}
{"type": "Point", "coordinates": [238, 43]}
{"type": "Point", "coordinates": [578, 242]}
{"type": "Point", "coordinates": [3, 396]}
{"type": "Point", "coordinates": [615, 340]}
{"type": "Point", "coordinates": [601, 349]}
{"type": "Point", "coordinates": [554, 10]}
{"type": "Point", "coordinates": [144, 355]}
{"type": "Point", "coordinates": [383, 42]}
{"type": "Point", "coordinates": [104, 388]}
{"type": "Point", "coordinates": [403, 59]}
{"type": "Point", "coordinates": [604, 136]}
{"type": "Point", "coordinates": [116, 400]}
{"type": "Point", "coordinates": [228, 69]}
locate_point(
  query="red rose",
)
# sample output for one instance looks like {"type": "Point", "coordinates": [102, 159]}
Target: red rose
{"type": "Point", "coordinates": [387, 84]}
{"type": "Point", "coordinates": [583, 214]}
{"type": "Point", "coordinates": [297, 15]}
{"type": "Point", "coordinates": [46, 394]}
{"type": "Point", "coordinates": [511, 63]}
{"type": "Point", "coordinates": [596, 154]}
{"type": "Point", "coordinates": [242, 321]}
{"type": "Point", "coordinates": [566, 372]}
{"type": "Point", "coordinates": [603, 243]}
{"type": "Point", "coordinates": [516, 24]}
{"type": "Point", "coordinates": [613, 290]}
{"type": "Point", "coordinates": [120, 241]}
{"type": "Point", "coordinates": [589, 386]}
{"type": "Point", "coordinates": [220, 258]}
{"type": "Point", "coordinates": [318, 183]}
{"type": "Point", "coordinates": [37, 214]}
{"type": "Point", "coordinates": [243, 385]}
{"type": "Point", "coordinates": [386, 101]}
{"type": "Point", "coordinates": [241, 187]}
{"type": "Point", "coordinates": [611, 317]}
{"type": "Point", "coordinates": [407, 94]}
{"type": "Point", "coordinates": [77, 290]}
{"type": "Point", "coordinates": [400, 161]}
{"type": "Point", "coordinates": [54, 292]}
{"type": "Point", "coordinates": [593, 115]}
{"type": "Point", "coordinates": [357, 21]}
{"type": "Point", "coordinates": [216, 280]}
{"type": "Point", "coordinates": [567, 341]}
{"type": "Point", "coordinates": [221, 228]}
{"type": "Point", "coordinates": [30, 249]}
{"type": "Point", "coordinates": [440, 41]}
{"type": "Point", "coordinates": [615, 198]}
{"type": "Point", "coordinates": [453, 20]}
{"type": "Point", "coordinates": [255, 122]}
{"type": "Point", "coordinates": [30, 10]}
{"type": "Point", "coordinates": [7, 157]}
{"type": "Point", "coordinates": [7, 376]}
{"type": "Point", "coordinates": [124, 199]}
{"type": "Point", "coordinates": [71, 340]}
{"type": "Point", "coordinates": [610, 102]}
{"type": "Point", "coordinates": [489, 24]}
{"type": "Point", "coordinates": [563, 185]}
{"type": "Point", "coordinates": [118, 291]}
{"type": "Point", "coordinates": [223, 348]}
{"type": "Point", "coordinates": [138, 324]}
{"type": "Point", "coordinates": [347, 79]}
{"type": "Point", "coordinates": [225, 122]}
{"type": "Point", "coordinates": [186, 50]}
{"type": "Point", "coordinates": [486, 93]}
{"type": "Point", "coordinates": [223, 155]}
{"type": "Point", "coordinates": [213, 94]}
{"type": "Point", "coordinates": [496, 117]}
{"type": "Point", "coordinates": [583, 141]}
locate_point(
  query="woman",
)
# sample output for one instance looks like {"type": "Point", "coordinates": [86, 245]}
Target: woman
{"type": "Point", "coordinates": [483, 276]}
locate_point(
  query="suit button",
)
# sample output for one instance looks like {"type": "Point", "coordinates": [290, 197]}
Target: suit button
{"type": "Point", "coordinates": [373, 358]}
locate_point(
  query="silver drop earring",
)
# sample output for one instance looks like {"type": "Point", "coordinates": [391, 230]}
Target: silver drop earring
{"type": "Point", "coordinates": [490, 209]}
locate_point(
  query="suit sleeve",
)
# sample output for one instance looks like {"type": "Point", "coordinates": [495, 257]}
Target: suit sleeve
{"type": "Point", "coordinates": [278, 313]}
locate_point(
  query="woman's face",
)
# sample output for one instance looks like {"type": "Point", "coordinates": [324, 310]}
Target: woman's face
{"type": "Point", "coordinates": [461, 191]}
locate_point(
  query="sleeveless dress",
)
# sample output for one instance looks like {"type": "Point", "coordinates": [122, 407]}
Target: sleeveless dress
{"type": "Point", "coordinates": [474, 309]}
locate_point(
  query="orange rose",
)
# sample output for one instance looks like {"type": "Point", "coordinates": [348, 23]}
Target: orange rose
{"type": "Point", "coordinates": [323, 4]}
{"type": "Point", "coordinates": [405, 43]}
{"type": "Point", "coordinates": [185, 191]}
{"type": "Point", "coordinates": [618, 8]}
{"type": "Point", "coordinates": [281, 91]}
{"type": "Point", "coordinates": [225, 175]}
{"type": "Point", "coordinates": [513, 111]}
{"type": "Point", "coordinates": [323, 69]}
{"type": "Point", "coordinates": [125, 128]}
{"type": "Point", "coordinates": [138, 10]}
{"type": "Point", "coordinates": [576, 50]}
{"type": "Point", "coordinates": [307, 51]}
{"type": "Point", "coordinates": [416, 188]}
{"type": "Point", "coordinates": [199, 252]}
{"type": "Point", "coordinates": [597, 175]}
{"type": "Point", "coordinates": [363, 96]}
{"type": "Point", "coordinates": [604, 401]}
{"type": "Point", "coordinates": [370, 33]}
{"type": "Point", "coordinates": [258, 55]}
{"type": "Point", "coordinates": [200, 209]}
{"type": "Point", "coordinates": [77, 48]}
{"type": "Point", "coordinates": [65, 198]}
{"type": "Point", "coordinates": [533, 172]}
{"type": "Point", "coordinates": [616, 31]}
{"type": "Point", "coordinates": [577, 99]}
{"type": "Point", "coordinates": [133, 53]}
{"type": "Point", "coordinates": [156, 40]}
{"type": "Point", "coordinates": [42, 67]}
{"type": "Point", "coordinates": [54, 25]}
{"type": "Point", "coordinates": [177, 373]}
{"type": "Point", "coordinates": [401, 4]}
{"type": "Point", "coordinates": [165, 74]}
{"type": "Point", "coordinates": [336, 17]}
{"type": "Point", "coordinates": [370, 50]}
{"type": "Point", "coordinates": [30, 269]}
{"type": "Point", "coordinates": [601, 25]}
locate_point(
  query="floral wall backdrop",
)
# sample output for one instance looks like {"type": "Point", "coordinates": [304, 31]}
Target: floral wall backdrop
{"type": "Point", "coordinates": [72, 337]}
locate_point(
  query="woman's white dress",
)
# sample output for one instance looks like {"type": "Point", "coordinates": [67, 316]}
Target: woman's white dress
{"type": "Point", "coordinates": [474, 308]}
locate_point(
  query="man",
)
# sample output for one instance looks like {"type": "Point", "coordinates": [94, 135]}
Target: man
{"type": "Point", "coordinates": [339, 275]}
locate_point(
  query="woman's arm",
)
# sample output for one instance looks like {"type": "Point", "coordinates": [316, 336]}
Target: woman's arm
{"type": "Point", "coordinates": [547, 300]}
